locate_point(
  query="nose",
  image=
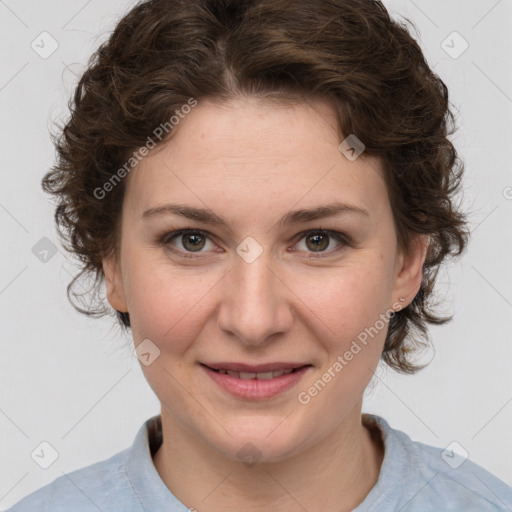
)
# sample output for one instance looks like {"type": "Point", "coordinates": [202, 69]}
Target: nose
{"type": "Point", "coordinates": [255, 302]}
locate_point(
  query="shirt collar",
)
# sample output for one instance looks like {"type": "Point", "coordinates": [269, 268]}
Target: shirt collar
{"type": "Point", "coordinates": [397, 465]}
{"type": "Point", "coordinates": [153, 494]}
{"type": "Point", "coordinates": [149, 488]}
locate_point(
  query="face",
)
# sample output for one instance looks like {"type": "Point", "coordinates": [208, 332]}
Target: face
{"type": "Point", "coordinates": [260, 285]}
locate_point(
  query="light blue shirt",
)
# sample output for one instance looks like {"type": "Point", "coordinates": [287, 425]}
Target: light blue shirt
{"type": "Point", "coordinates": [414, 477]}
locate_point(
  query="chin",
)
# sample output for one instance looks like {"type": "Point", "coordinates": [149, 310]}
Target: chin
{"type": "Point", "coordinates": [258, 438]}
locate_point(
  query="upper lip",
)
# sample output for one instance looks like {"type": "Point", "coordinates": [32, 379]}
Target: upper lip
{"type": "Point", "coordinates": [254, 368]}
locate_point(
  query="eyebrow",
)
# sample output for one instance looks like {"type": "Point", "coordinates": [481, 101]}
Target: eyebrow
{"type": "Point", "coordinates": [207, 216]}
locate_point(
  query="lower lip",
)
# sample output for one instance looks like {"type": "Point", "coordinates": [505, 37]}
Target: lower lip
{"type": "Point", "coordinates": [256, 388]}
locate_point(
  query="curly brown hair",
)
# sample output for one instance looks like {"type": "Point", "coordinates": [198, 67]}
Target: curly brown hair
{"type": "Point", "coordinates": [163, 52]}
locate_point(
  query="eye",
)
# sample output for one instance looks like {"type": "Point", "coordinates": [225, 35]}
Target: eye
{"type": "Point", "coordinates": [317, 241]}
{"type": "Point", "coordinates": [191, 241]}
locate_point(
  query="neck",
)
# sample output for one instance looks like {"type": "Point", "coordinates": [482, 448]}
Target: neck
{"type": "Point", "coordinates": [335, 474]}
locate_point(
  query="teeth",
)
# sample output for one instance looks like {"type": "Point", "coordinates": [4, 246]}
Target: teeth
{"type": "Point", "coordinates": [259, 376]}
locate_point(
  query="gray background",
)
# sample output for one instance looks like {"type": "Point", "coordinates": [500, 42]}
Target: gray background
{"type": "Point", "coordinates": [74, 383]}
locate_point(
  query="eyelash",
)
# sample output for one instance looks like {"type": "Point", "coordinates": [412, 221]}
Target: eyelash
{"type": "Point", "coordinates": [340, 237]}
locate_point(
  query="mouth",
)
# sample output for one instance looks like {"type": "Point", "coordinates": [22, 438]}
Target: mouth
{"type": "Point", "coordinates": [256, 375]}
{"type": "Point", "coordinates": [256, 384]}
{"type": "Point", "coordinates": [260, 371]}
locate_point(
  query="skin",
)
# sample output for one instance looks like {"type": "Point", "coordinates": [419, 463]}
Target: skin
{"type": "Point", "coordinates": [252, 161]}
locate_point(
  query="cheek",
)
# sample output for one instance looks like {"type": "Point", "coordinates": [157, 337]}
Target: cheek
{"type": "Point", "coordinates": [343, 301]}
{"type": "Point", "coordinates": [170, 305]}
{"type": "Point", "coordinates": [347, 314]}
{"type": "Point", "coordinates": [166, 305]}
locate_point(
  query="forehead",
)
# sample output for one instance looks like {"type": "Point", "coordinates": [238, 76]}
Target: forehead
{"type": "Point", "coordinates": [250, 154]}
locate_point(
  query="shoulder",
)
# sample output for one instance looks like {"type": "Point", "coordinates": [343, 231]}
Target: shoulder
{"type": "Point", "coordinates": [456, 480]}
{"type": "Point", "coordinates": [103, 485]}
{"type": "Point", "coordinates": [422, 477]}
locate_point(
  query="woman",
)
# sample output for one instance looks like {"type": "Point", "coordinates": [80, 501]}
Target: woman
{"type": "Point", "coordinates": [267, 188]}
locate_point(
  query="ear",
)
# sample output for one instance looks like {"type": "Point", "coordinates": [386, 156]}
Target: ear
{"type": "Point", "coordinates": [409, 270]}
{"type": "Point", "coordinates": [114, 284]}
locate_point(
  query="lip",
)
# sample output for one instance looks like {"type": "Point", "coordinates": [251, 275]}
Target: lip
{"type": "Point", "coordinates": [254, 368]}
{"type": "Point", "coordinates": [254, 388]}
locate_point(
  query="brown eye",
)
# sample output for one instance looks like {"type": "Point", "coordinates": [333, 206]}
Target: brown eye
{"type": "Point", "coordinates": [317, 241]}
{"type": "Point", "coordinates": [192, 241]}
{"type": "Point", "coordinates": [186, 242]}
